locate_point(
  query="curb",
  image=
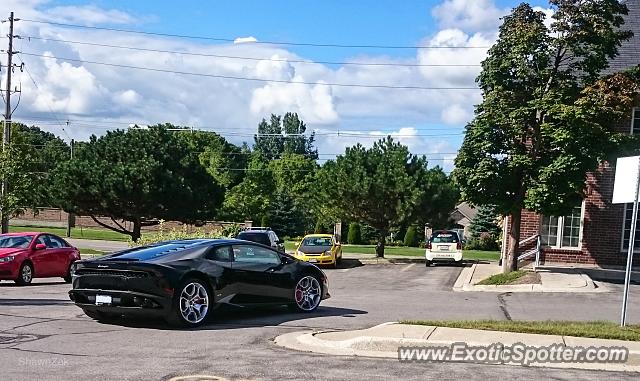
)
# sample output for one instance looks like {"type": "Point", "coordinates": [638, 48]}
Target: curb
{"type": "Point", "coordinates": [464, 284]}
{"type": "Point", "coordinates": [387, 347]}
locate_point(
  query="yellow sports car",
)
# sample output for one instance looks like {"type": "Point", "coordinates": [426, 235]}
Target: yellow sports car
{"type": "Point", "coordinates": [321, 249]}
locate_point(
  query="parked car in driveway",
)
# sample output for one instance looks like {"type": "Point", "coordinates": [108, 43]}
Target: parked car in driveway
{"type": "Point", "coordinates": [264, 236]}
{"type": "Point", "coordinates": [321, 249]}
{"type": "Point", "coordinates": [24, 256]}
{"type": "Point", "coordinates": [443, 245]}
{"type": "Point", "coordinates": [183, 281]}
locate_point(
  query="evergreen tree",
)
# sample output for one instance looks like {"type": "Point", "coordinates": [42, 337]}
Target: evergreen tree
{"type": "Point", "coordinates": [486, 221]}
{"type": "Point", "coordinates": [355, 234]}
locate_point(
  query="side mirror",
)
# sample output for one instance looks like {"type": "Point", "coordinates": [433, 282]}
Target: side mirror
{"type": "Point", "coordinates": [40, 246]}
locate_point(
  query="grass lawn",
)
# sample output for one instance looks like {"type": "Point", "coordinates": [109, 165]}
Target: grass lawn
{"type": "Point", "coordinates": [90, 252]}
{"type": "Point", "coordinates": [503, 278]}
{"type": "Point", "coordinates": [406, 251]}
{"type": "Point", "coordinates": [594, 329]}
{"type": "Point", "coordinates": [98, 234]}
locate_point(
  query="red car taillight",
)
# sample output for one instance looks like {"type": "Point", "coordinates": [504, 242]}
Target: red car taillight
{"type": "Point", "coordinates": [429, 245]}
{"type": "Point", "coordinates": [459, 245]}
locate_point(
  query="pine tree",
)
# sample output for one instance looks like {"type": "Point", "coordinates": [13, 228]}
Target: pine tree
{"type": "Point", "coordinates": [486, 221]}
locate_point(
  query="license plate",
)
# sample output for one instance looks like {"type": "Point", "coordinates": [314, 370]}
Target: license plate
{"type": "Point", "coordinates": [103, 299]}
{"type": "Point", "coordinates": [443, 248]}
{"type": "Point", "coordinates": [312, 260]}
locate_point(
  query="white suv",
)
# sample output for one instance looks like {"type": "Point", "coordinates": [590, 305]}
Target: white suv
{"type": "Point", "coordinates": [444, 245]}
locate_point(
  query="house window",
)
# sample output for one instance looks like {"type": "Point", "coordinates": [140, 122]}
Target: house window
{"type": "Point", "coordinates": [562, 231]}
{"type": "Point", "coordinates": [635, 121]}
{"type": "Point", "coordinates": [628, 215]}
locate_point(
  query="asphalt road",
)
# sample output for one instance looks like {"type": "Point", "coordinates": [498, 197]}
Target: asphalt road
{"type": "Point", "coordinates": [44, 337]}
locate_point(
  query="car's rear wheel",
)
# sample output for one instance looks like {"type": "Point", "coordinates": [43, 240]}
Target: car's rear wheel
{"type": "Point", "coordinates": [67, 277]}
{"type": "Point", "coordinates": [25, 274]}
{"type": "Point", "coordinates": [307, 294]}
{"type": "Point", "coordinates": [427, 263]}
{"type": "Point", "coordinates": [191, 304]}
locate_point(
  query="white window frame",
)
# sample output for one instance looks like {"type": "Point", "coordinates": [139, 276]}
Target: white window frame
{"type": "Point", "coordinates": [624, 222]}
{"type": "Point", "coordinates": [560, 232]}
{"type": "Point", "coordinates": [633, 117]}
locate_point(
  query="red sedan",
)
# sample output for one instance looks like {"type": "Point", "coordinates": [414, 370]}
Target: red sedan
{"type": "Point", "coordinates": [24, 256]}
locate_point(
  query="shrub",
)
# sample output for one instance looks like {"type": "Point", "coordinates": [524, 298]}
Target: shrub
{"type": "Point", "coordinates": [232, 230]}
{"type": "Point", "coordinates": [484, 242]}
{"type": "Point", "coordinates": [168, 235]}
{"type": "Point", "coordinates": [355, 234]}
{"type": "Point", "coordinates": [320, 228]}
{"type": "Point", "coordinates": [264, 221]}
{"type": "Point", "coordinates": [411, 237]}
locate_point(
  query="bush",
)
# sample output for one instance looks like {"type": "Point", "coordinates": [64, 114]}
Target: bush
{"type": "Point", "coordinates": [484, 242]}
{"type": "Point", "coordinates": [355, 234]}
{"type": "Point", "coordinates": [264, 221]}
{"type": "Point", "coordinates": [232, 230]}
{"type": "Point", "coordinates": [410, 237]}
{"type": "Point", "coordinates": [168, 235]}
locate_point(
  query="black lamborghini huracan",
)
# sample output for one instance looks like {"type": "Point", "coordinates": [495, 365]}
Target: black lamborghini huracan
{"type": "Point", "coordinates": [182, 281]}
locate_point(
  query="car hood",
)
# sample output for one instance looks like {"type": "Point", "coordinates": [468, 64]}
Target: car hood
{"type": "Point", "coordinates": [313, 249]}
{"type": "Point", "coordinates": [8, 251]}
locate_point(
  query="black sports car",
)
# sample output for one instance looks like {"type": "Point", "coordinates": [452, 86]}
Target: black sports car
{"type": "Point", "coordinates": [182, 281]}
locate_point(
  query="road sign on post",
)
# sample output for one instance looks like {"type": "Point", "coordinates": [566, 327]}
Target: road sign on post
{"type": "Point", "coordinates": [626, 189]}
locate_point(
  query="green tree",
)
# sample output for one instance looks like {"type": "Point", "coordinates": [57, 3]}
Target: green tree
{"type": "Point", "coordinates": [224, 161]}
{"type": "Point", "coordinates": [355, 235]}
{"type": "Point", "coordinates": [485, 221]}
{"type": "Point", "coordinates": [251, 198]}
{"type": "Point", "coordinates": [539, 128]}
{"type": "Point", "coordinates": [284, 135]}
{"type": "Point", "coordinates": [29, 159]}
{"type": "Point", "coordinates": [137, 176]}
{"type": "Point", "coordinates": [411, 237]}
{"type": "Point", "coordinates": [383, 186]}
{"type": "Point", "coordinates": [284, 215]}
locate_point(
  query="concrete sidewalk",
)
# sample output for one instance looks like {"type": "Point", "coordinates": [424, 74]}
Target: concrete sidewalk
{"type": "Point", "coordinates": [551, 280]}
{"type": "Point", "coordinates": [385, 339]}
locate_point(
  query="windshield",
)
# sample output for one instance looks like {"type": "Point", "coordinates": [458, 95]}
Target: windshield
{"type": "Point", "coordinates": [317, 241]}
{"type": "Point", "coordinates": [262, 238]}
{"type": "Point", "coordinates": [445, 237]}
{"type": "Point", "coordinates": [16, 242]}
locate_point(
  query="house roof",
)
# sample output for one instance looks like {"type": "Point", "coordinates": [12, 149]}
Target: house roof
{"type": "Point", "coordinates": [467, 211]}
{"type": "Point", "coordinates": [629, 51]}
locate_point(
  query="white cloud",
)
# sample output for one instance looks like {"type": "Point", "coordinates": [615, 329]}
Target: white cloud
{"type": "Point", "coordinates": [88, 15]}
{"type": "Point", "coordinates": [469, 15]}
{"type": "Point", "coordinates": [116, 95]}
{"type": "Point", "coordinates": [244, 40]}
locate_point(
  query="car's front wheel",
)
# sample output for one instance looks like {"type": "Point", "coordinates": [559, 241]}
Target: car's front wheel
{"type": "Point", "coordinates": [307, 294]}
{"type": "Point", "coordinates": [25, 274]}
{"type": "Point", "coordinates": [191, 304]}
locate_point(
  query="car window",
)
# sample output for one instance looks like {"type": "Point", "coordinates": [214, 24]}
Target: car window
{"type": "Point", "coordinates": [220, 253]}
{"type": "Point", "coordinates": [41, 241]}
{"type": "Point", "coordinates": [255, 254]}
{"type": "Point", "coordinates": [15, 242]}
{"type": "Point", "coordinates": [262, 238]}
{"type": "Point", "coordinates": [56, 242]}
{"type": "Point", "coordinates": [317, 241]}
{"type": "Point", "coordinates": [444, 237]}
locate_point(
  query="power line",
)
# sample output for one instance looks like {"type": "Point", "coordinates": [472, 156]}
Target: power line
{"type": "Point", "coordinates": [250, 58]}
{"type": "Point", "coordinates": [220, 39]}
{"type": "Point", "coordinates": [407, 87]}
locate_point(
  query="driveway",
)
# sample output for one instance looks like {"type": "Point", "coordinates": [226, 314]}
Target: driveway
{"type": "Point", "coordinates": [43, 336]}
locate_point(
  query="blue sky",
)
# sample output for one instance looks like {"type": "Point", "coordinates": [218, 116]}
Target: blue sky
{"type": "Point", "coordinates": [96, 97]}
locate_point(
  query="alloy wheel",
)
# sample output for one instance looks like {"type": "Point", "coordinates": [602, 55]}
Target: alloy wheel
{"type": "Point", "coordinates": [308, 293]}
{"type": "Point", "coordinates": [26, 274]}
{"type": "Point", "coordinates": [194, 303]}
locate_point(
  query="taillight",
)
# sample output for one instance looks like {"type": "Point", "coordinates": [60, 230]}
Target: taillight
{"type": "Point", "coordinates": [459, 245]}
{"type": "Point", "coordinates": [429, 245]}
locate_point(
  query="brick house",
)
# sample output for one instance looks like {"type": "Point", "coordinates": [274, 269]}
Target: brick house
{"type": "Point", "coordinates": [596, 232]}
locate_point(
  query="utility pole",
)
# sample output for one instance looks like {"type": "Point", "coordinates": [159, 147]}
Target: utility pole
{"type": "Point", "coordinates": [6, 136]}
{"type": "Point", "coordinates": [71, 218]}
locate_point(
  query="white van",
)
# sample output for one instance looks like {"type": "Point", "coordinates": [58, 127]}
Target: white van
{"type": "Point", "coordinates": [444, 245]}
